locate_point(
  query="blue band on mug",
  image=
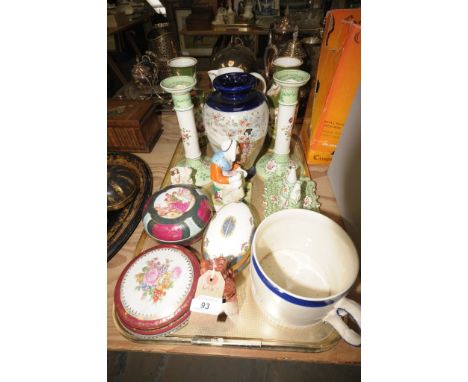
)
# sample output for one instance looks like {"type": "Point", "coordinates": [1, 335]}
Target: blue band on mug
{"type": "Point", "coordinates": [287, 297]}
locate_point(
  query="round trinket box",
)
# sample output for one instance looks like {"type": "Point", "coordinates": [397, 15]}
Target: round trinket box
{"type": "Point", "coordinates": [229, 235]}
{"type": "Point", "coordinates": [177, 214]}
{"type": "Point", "coordinates": [154, 291]}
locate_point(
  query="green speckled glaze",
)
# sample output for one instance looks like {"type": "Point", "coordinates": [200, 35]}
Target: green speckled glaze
{"type": "Point", "coordinates": [291, 77]}
{"type": "Point", "coordinates": [273, 165]}
{"type": "Point", "coordinates": [278, 194]}
{"type": "Point", "coordinates": [201, 170]}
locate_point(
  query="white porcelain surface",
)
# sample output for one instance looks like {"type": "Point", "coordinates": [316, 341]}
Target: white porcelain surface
{"type": "Point", "coordinates": [285, 121]}
{"type": "Point", "coordinates": [221, 126]}
{"type": "Point", "coordinates": [229, 233]}
{"type": "Point", "coordinates": [182, 62]}
{"type": "Point", "coordinates": [168, 269]}
{"type": "Point", "coordinates": [185, 114]}
{"type": "Point", "coordinates": [189, 134]}
{"type": "Point", "coordinates": [287, 62]}
{"type": "Point", "coordinates": [307, 259]}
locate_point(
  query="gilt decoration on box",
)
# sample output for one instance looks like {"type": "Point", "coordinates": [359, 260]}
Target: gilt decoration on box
{"type": "Point", "coordinates": [153, 293]}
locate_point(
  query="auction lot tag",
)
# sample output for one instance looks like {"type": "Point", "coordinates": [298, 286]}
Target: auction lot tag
{"type": "Point", "coordinates": [209, 294]}
{"type": "Point", "coordinates": [207, 305]}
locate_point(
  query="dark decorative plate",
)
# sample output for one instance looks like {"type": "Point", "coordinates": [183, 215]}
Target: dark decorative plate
{"type": "Point", "coordinates": [122, 223]}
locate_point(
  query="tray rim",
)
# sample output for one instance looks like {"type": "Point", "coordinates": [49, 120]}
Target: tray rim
{"type": "Point", "coordinates": [116, 244]}
{"type": "Point", "coordinates": [314, 347]}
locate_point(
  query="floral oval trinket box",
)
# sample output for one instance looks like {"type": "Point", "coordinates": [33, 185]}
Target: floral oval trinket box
{"type": "Point", "coordinates": [153, 294]}
{"type": "Point", "coordinates": [177, 214]}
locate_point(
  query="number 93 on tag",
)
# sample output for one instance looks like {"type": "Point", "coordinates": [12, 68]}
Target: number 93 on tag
{"type": "Point", "coordinates": [206, 305]}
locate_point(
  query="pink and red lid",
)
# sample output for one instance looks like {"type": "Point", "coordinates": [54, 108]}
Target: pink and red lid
{"type": "Point", "coordinates": [156, 288]}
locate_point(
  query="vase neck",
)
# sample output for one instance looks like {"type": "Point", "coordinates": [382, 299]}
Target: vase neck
{"type": "Point", "coordinates": [235, 85]}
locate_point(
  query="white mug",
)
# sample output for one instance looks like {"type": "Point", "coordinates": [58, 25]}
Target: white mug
{"type": "Point", "coordinates": [302, 267]}
{"type": "Point", "coordinates": [234, 69]}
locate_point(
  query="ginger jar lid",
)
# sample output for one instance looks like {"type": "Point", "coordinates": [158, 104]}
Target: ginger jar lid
{"type": "Point", "coordinates": [235, 92]}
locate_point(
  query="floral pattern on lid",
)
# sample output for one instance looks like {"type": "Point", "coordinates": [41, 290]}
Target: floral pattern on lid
{"type": "Point", "coordinates": [155, 278]}
{"type": "Point", "coordinates": [156, 287]}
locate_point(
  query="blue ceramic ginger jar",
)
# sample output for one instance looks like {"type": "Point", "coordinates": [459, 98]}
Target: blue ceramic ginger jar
{"type": "Point", "coordinates": [236, 110]}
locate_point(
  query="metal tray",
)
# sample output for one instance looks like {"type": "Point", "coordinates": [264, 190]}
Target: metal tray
{"type": "Point", "coordinates": [122, 223]}
{"type": "Point", "coordinates": [250, 328]}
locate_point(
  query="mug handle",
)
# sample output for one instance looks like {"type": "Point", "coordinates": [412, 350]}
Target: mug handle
{"type": "Point", "coordinates": [262, 80]}
{"type": "Point", "coordinates": [342, 308]}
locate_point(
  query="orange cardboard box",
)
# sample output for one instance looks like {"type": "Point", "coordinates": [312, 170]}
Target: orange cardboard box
{"type": "Point", "coordinates": [338, 76]}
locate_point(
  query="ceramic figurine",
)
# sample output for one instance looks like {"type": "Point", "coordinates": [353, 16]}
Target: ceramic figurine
{"type": "Point", "coordinates": [292, 197]}
{"type": "Point", "coordinates": [220, 264]}
{"type": "Point", "coordinates": [181, 175]}
{"type": "Point", "coordinates": [248, 14]}
{"type": "Point", "coordinates": [226, 175]}
{"type": "Point", "coordinates": [237, 111]}
{"type": "Point", "coordinates": [219, 19]}
{"type": "Point", "coordinates": [230, 14]}
{"type": "Point", "coordinates": [283, 192]}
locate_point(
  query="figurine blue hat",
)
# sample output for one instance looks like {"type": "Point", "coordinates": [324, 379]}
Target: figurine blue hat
{"type": "Point", "coordinates": [219, 160]}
